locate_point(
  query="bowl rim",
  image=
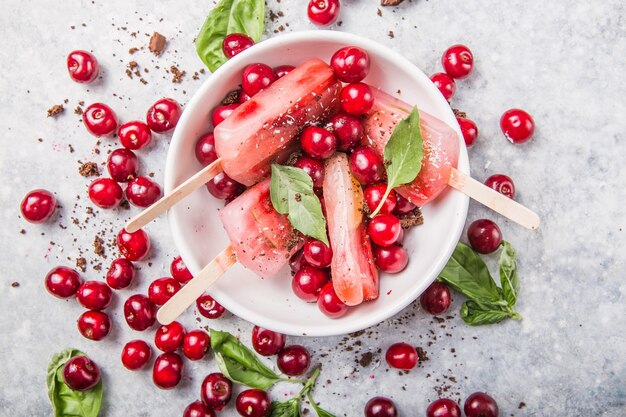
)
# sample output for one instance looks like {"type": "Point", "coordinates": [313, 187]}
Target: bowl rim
{"type": "Point", "coordinates": [342, 326]}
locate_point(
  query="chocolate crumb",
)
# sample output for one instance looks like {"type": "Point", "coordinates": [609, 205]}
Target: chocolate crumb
{"type": "Point", "coordinates": [157, 43]}
{"type": "Point", "coordinates": [391, 34]}
{"type": "Point", "coordinates": [55, 110]}
{"type": "Point", "coordinates": [22, 232]}
{"type": "Point", "coordinates": [231, 98]}
{"type": "Point", "coordinates": [379, 12]}
{"type": "Point", "coordinates": [71, 148]}
{"type": "Point", "coordinates": [421, 354]}
{"type": "Point", "coordinates": [98, 246]}
{"type": "Point", "coordinates": [81, 263]}
{"type": "Point", "coordinates": [78, 110]}
{"type": "Point", "coordinates": [15, 284]}
{"type": "Point", "coordinates": [177, 74]}
{"type": "Point", "coordinates": [412, 219]}
{"type": "Point", "coordinates": [459, 113]}
{"type": "Point", "coordinates": [133, 50]}
{"type": "Point", "coordinates": [366, 359]}
{"type": "Point", "coordinates": [521, 405]}
{"type": "Point", "coordinates": [89, 169]}
{"type": "Point", "coordinates": [390, 2]}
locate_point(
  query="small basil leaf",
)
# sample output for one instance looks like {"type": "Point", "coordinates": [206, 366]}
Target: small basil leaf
{"type": "Point", "coordinates": [477, 314]}
{"type": "Point", "coordinates": [290, 408]}
{"type": "Point", "coordinates": [508, 273]}
{"type": "Point", "coordinates": [320, 411]}
{"type": "Point", "coordinates": [238, 373]}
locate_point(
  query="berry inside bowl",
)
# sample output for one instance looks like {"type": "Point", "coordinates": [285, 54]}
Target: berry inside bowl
{"type": "Point", "coordinates": [271, 303]}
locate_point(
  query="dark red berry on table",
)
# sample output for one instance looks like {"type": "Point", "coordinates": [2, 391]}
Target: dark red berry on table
{"type": "Point", "coordinates": [38, 206]}
{"type": "Point", "coordinates": [139, 312]}
{"type": "Point", "coordinates": [436, 299]}
{"type": "Point", "coordinates": [82, 66]}
{"type": "Point", "coordinates": [329, 303]}
{"type": "Point", "coordinates": [163, 115]}
{"type": "Point", "coordinates": [403, 206]}
{"type": "Point", "coordinates": [502, 184]}
{"type": "Point", "coordinates": [205, 149]}
{"type": "Point", "coordinates": [167, 370]}
{"type": "Point", "coordinates": [323, 12]}
{"type": "Point", "coordinates": [297, 261]}
{"type": "Point", "coordinates": [401, 356]}
{"type": "Point", "coordinates": [351, 64]}
{"type": "Point", "coordinates": [179, 271]}
{"type": "Point", "coordinates": [458, 61]}
{"type": "Point", "coordinates": [216, 391]}
{"type": "Point", "coordinates": [444, 83]}
{"type": "Point", "coordinates": [517, 125]}
{"type": "Point", "coordinates": [62, 282]}
{"type": "Point", "coordinates": [256, 77]}
{"type": "Point", "coordinates": [221, 113]}
{"type": "Point", "coordinates": [100, 119]}
{"type": "Point", "coordinates": [169, 337]}
{"type": "Point", "coordinates": [209, 308]}
{"type": "Point", "coordinates": [133, 246]}
{"type": "Point", "coordinates": [293, 360]}
{"type": "Point", "coordinates": [94, 295]}
{"type": "Point", "coordinates": [468, 129]}
{"type": "Point", "coordinates": [373, 196]}
{"type": "Point", "coordinates": [142, 192]}
{"type": "Point", "coordinates": [392, 259]}
{"type": "Point", "coordinates": [366, 165]}
{"type": "Point", "coordinates": [94, 325]}
{"type": "Point", "coordinates": [308, 282]}
{"type": "Point", "coordinates": [235, 43]}
{"type": "Point", "coordinates": [267, 342]}
{"type": "Point", "coordinates": [105, 193]}
{"type": "Point", "coordinates": [384, 229]}
{"type": "Point", "coordinates": [136, 354]}
{"type": "Point", "coordinates": [81, 373]}
{"type": "Point", "coordinates": [283, 70]}
{"type": "Point", "coordinates": [122, 165]}
{"type": "Point", "coordinates": [317, 253]}
{"type": "Point", "coordinates": [347, 129]}
{"type": "Point", "coordinates": [120, 274]}
{"type": "Point", "coordinates": [443, 407]}
{"type": "Point", "coordinates": [484, 236]}
{"type": "Point", "coordinates": [197, 409]}
{"type": "Point", "coordinates": [313, 167]}
{"type": "Point", "coordinates": [356, 99]}
{"type": "Point", "coordinates": [317, 142]}
{"type": "Point", "coordinates": [134, 135]}
{"type": "Point", "coordinates": [224, 187]}
{"type": "Point", "coordinates": [253, 403]}
{"type": "Point", "coordinates": [480, 404]}
{"type": "Point", "coordinates": [162, 289]}
{"type": "Point", "coordinates": [196, 344]}
{"type": "Point", "coordinates": [380, 407]}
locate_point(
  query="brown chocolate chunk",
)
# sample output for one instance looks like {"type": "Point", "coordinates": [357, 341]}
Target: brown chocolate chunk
{"type": "Point", "coordinates": [89, 169]}
{"type": "Point", "coordinates": [55, 110]}
{"type": "Point", "coordinates": [157, 43]}
{"type": "Point", "coordinates": [390, 2]}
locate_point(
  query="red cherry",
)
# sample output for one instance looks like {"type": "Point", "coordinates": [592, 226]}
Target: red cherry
{"type": "Point", "coordinates": [100, 119]}
{"type": "Point", "coordinates": [351, 64]}
{"type": "Point", "coordinates": [502, 184]}
{"type": "Point", "coordinates": [196, 344]}
{"type": "Point", "coordinates": [443, 407]}
{"type": "Point", "coordinates": [256, 77]}
{"type": "Point", "coordinates": [317, 253]}
{"type": "Point", "coordinates": [267, 342]}
{"type": "Point", "coordinates": [468, 129]}
{"type": "Point", "coordinates": [140, 312]}
{"type": "Point", "coordinates": [94, 295]}
{"type": "Point", "coordinates": [380, 407]}
{"type": "Point", "coordinates": [209, 308]}
{"type": "Point", "coordinates": [436, 299]}
{"type": "Point", "coordinates": [458, 61]}
{"type": "Point", "coordinates": [82, 66]}
{"type": "Point", "coordinates": [293, 360]}
{"type": "Point", "coordinates": [133, 246]}
{"type": "Point", "coordinates": [197, 409]}
{"type": "Point", "coordinates": [313, 167]}
{"type": "Point", "coordinates": [444, 83]}
{"type": "Point", "coordinates": [392, 259]}
{"type": "Point", "coordinates": [81, 373]}
{"type": "Point", "coordinates": [223, 187]}
{"type": "Point", "coordinates": [517, 125]}
{"type": "Point", "coordinates": [323, 12]}
{"type": "Point", "coordinates": [142, 192]}
{"type": "Point", "coordinates": [484, 236]}
{"type": "Point", "coordinates": [480, 404]}
{"type": "Point", "coordinates": [134, 135]}
{"type": "Point", "coordinates": [221, 113]}
{"type": "Point", "coordinates": [347, 129]}
{"type": "Point", "coordinates": [283, 70]}
{"type": "Point", "coordinates": [105, 193]}
{"type": "Point", "coordinates": [94, 325]}
{"type": "Point", "coordinates": [243, 97]}
{"type": "Point", "coordinates": [167, 371]}
{"type": "Point", "coordinates": [122, 165]}
{"type": "Point", "coordinates": [136, 354]}
{"type": "Point", "coordinates": [162, 289]}
{"type": "Point", "coordinates": [205, 149]}
{"type": "Point", "coordinates": [356, 99]}
{"type": "Point", "coordinates": [163, 115]}
{"type": "Point", "coordinates": [169, 338]}
{"type": "Point", "coordinates": [366, 165]}
{"type": "Point", "coordinates": [38, 206]}
{"type": "Point", "coordinates": [120, 273]}
{"type": "Point", "coordinates": [179, 271]}
{"type": "Point", "coordinates": [401, 356]}
{"type": "Point", "coordinates": [235, 43]}
{"type": "Point", "coordinates": [297, 261]}
{"type": "Point", "coordinates": [384, 229]}
{"type": "Point", "coordinates": [253, 403]}
{"type": "Point", "coordinates": [329, 303]}
{"type": "Point", "coordinates": [317, 142]}
{"type": "Point", "coordinates": [216, 391]}
{"type": "Point", "coordinates": [403, 206]}
{"type": "Point", "coordinates": [373, 196]}
{"type": "Point", "coordinates": [62, 282]}
{"type": "Point", "coordinates": [308, 283]}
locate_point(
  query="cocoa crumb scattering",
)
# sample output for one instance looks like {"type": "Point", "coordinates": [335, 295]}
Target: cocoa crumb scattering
{"type": "Point", "coordinates": [412, 219]}
{"type": "Point", "coordinates": [98, 246]}
{"type": "Point", "coordinates": [71, 148]}
{"type": "Point", "coordinates": [421, 354]}
{"type": "Point", "coordinates": [157, 43]}
{"type": "Point", "coordinates": [366, 359]}
{"type": "Point", "coordinates": [231, 98]}
{"type": "Point", "coordinates": [391, 34]}
{"type": "Point", "coordinates": [15, 284]}
{"type": "Point", "coordinates": [22, 232]}
{"type": "Point", "coordinates": [55, 110]}
{"type": "Point", "coordinates": [81, 263]}
{"type": "Point", "coordinates": [78, 110]}
{"type": "Point", "coordinates": [132, 50]}
{"type": "Point", "coordinates": [521, 405]}
{"type": "Point", "coordinates": [89, 169]}
{"type": "Point", "coordinates": [177, 74]}
{"type": "Point", "coordinates": [459, 113]}
{"type": "Point", "coordinates": [379, 12]}
{"type": "Point", "coordinates": [390, 2]}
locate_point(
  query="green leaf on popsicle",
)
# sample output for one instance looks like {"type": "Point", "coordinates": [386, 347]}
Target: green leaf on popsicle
{"type": "Point", "coordinates": [403, 154]}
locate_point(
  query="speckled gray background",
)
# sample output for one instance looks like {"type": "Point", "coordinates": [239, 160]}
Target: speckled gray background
{"type": "Point", "coordinates": [563, 61]}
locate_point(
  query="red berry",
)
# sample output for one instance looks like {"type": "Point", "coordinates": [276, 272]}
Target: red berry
{"type": "Point", "coordinates": [253, 403]}
{"type": "Point", "coordinates": [294, 360]}
{"type": "Point", "coordinates": [140, 312]}
{"type": "Point", "coordinates": [136, 354]}
{"type": "Point", "coordinates": [356, 99]}
{"type": "Point", "coordinates": [209, 308]}
{"type": "Point", "coordinates": [62, 282]}
{"type": "Point", "coordinates": [122, 165]}
{"type": "Point", "coordinates": [221, 113]}
{"type": "Point", "coordinates": [380, 407]}
{"type": "Point", "coordinates": [403, 206]}
{"type": "Point", "coordinates": [163, 115]}
{"type": "Point", "coordinates": [502, 184]}
{"type": "Point", "coordinates": [94, 325]}
{"type": "Point", "coordinates": [120, 273]}
{"type": "Point", "coordinates": [216, 391]}
{"type": "Point", "coordinates": [267, 342]}
{"type": "Point", "coordinates": [384, 229]}
{"type": "Point", "coordinates": [366, 165]}
{"type": "Point", "coordinates": [517, 125]}
{"type": "Point", "coordinates": [142, 192]}
{"type": "Point", "coordinates": [205, 149]}
{"type": "Point", "coordinates": [313, 167]}
{"type": "Point", "coordinates": [169, 338]}
{"type": "Point", "coordinates": [484, 236]}
{"type": "Point", "coordinates": [94, 295]}
{"type": "Point", "coordinates": [317, 253]}
{"type": "Point", "coordinates": [105, 193]}
{"type": "Point", "coordinates": [133, 246]}
{"type": "Point", "coordinates": [243, 97]}
{"type": "Point", "coordinates": [100, 119]}
{"type": "Point", "coordinates": [82, 66]}
{"type": "Point", "coordinates": [224, 187]}
{"type": "Point", "coordinates": [38, 206]}
{"type": "Point", "coordinates": [436, 299]}
{"type": "Point", "coordinates": [134, 135]}
{"type": "Point", "coordinates": [323, 12]}
{"type": "Point", "coordinates": [401, 356]}
{"type": "Point", "coordinates": [283, 70]}
{"type": "Point", "coordinates": [297, 261]}
{"type": "Point", "coordinates": [444, 83]}
{"type": "Point", "coordinates": [167, 371]}
{"type": "Point", "coordinates": [235, 43]}
{"type": "Point", "coordinates": [351, 64]}
{"type": "Point", "coordinates": [179, 271]}
{"type": "Point", "coordinates": [443, 407]}
{"type": "Point", "coordinates": [81, 373]}
{"type": "Point", "coordinates": [347, 129]}
{"type": "Point", "coordinates": [458, 61]}
{"type": "Point", "coordinates": [329, 303]}
{"type": "Point", "coordinates": [468, 129]}
{"type": "Point", "coordinates": [480, 404]}
{"type": "Point", "coordinates": [196, 344]}
{"type": "Point", "coordinates": [162, 289]}
{"type": "Point", "coordinates": [373, 196]}
{"type": "Point", "coordinates": [197, 409]}
{"type": "Point", "coordinates": [390, 259]}
{"type": "Point", "coordinates": [256, 77]}
{"type": "Point", "coordinates": [317, 142]}
{"type": "Point", "coordinates": [308, 282]}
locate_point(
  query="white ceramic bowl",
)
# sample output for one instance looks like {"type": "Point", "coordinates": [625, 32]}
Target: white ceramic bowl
{"type": "Point", "coordinates": [270, 303]}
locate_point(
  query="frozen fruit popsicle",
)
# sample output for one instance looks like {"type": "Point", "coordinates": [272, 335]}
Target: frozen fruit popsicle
{"type": "Point", "coordinates": [355, 277]}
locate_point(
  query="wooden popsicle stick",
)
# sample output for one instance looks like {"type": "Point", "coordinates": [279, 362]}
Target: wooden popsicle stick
{"type": "Point", "coordinates": [188, 294]}
{"type": "Point", "coordinates": [167, 201]}
{"type": "Point", "coordinates": [500, 203]}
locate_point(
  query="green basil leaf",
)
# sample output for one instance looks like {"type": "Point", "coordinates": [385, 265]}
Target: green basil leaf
{"type": "Point", "coordinates": [289, 408]}
{"type": "Point", "coordinates": [240, 374]}
{"type": "Point", "coordinates": [229, 16]}
{"type": "Point", "coordinates": [320, 411]}
{"type": "Point", "coordinates": [65, 401]}
{"type": "Point", "coordinates": [403, 154]}
{"type": "Point", "coordinates": [291, 192]}
{"type": "Point", "coordinates": [508, 273]}
{"type": "Point", "coordinates": [477, 314]}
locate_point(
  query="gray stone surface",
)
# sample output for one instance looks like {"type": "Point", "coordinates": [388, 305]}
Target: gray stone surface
{"type": "Point", "coordinates": [563, 61]}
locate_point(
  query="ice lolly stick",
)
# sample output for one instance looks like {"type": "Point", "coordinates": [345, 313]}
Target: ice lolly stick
{"type": "Point", "coordinates": [489, 197]}
{"type": "Point", "coordinates": [167, 201]}
{"type": "Point", "coordinates": [188, 294]}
